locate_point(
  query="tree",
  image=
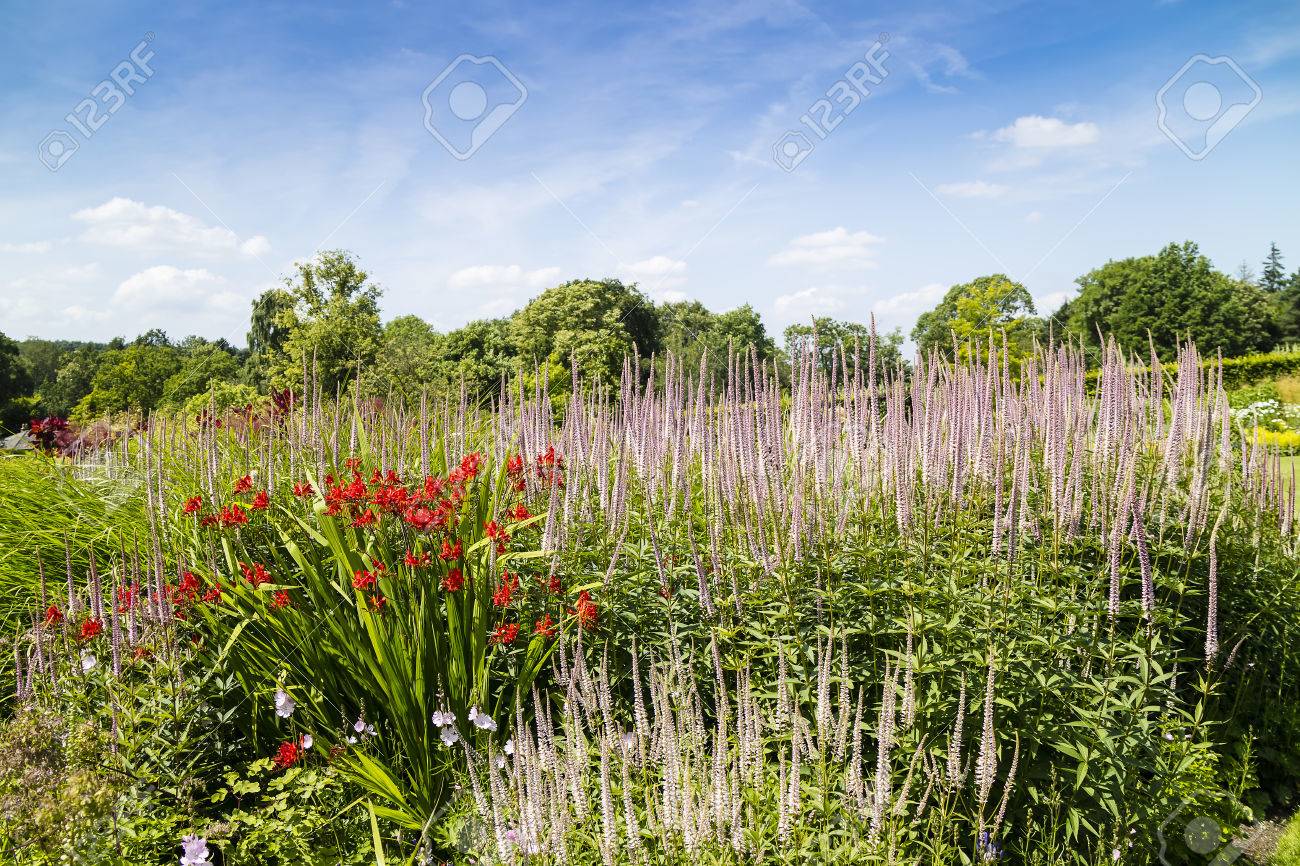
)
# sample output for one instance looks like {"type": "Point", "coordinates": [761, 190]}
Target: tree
{"type": "Point", "coordinates": [130, 379]}
{"type": "Point", "coordinates": [1174, 295]}
{"type": "Point", "coordinates": [597, 323]}
{"type": "Point", "coordinates": [266, 335]}
{"type": "Point", "coordinates": [1273, 278]}
{"type": "Point", "coordinates": [407, 361]}
{"type": "Point", "coordinates": [975, 312]}
{"type": "Point", "coordinates": [15, 386]}
{"type": "Point", "coordinates": [333, 323]}
{"type": "Point", "coordinates": [835, 336]}
{"type": "Point", "coordinates": [690, 330]}
{"type": "Point", "coordinates": [478, 354]}
{"type": "Point", "coordinates": [203, 366]}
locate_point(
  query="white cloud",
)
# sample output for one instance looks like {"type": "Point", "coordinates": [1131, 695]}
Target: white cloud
{"type": "Point", "coordinates": [29, 247]}
{"type": "Point", "coordinates": [907, 305]}
{"type": "Point", "coordinates": [971, 189]}
{"type": "Point", "coordinates": [165, 286]}
{"type": "Point", "coordinates": [812, 301]}
{"type": "Point", "coordinates": [503, 278]}
{"type": "Point", "coordinates": [127, 223]}
{"type": "Point", "coordinates": [1034, 217]}
{"type": "Point", "coordinates": [1036, 131]}
{"type": "Point", "coordinates": [661, 277]}
{"type": "Point", "coordinates": [836, 247]}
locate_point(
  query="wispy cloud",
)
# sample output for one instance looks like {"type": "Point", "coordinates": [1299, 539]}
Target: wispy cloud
{"type": "Point", "coordinates": [971, 189]}
{"type": "Point", "coordinates": [127, 223]}
{"type": "Point", "coordinates": [837, 247]}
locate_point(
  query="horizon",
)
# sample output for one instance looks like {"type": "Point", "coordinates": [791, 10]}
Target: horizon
{"type": "Point", "coordinates": [643, 147]}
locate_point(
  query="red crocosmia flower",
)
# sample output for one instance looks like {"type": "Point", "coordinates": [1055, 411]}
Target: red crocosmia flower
{"type": "Point", "coordinates": [553, 585]}
{"type": "Point", "coordinates": [287, 755]}
{"type": "Point", "coordinates": [256, 574]}
{"type": "Point", "coordinates": [187, 590]}
{"type": "Point", "coordinates": [432, 487]}
{"type": "Point", "coordinates": [245, 484]}
{"type": "Point", "coordinates": [209, 520]}
{"type": "Point", "coordinates": [280, 599]}
{"type": "Point", "coordinates": [505, 634]}
{"type": "Point", "coordinates": [233, 515]}
{"type": "Point", "coordinates": [353, 463]}
{"type": "Point", "coordinates": [90, 629]}
{"type": "Point", "coordinates": [453, 581]}
{"type": "Point", "coordinates": [213, 595]}
{"type": "Point", "coordinates": [497, 534]}
{"type": "Point", "coordinates": [260, 501]}
{"type": "Point", "coordinates": [469, 465]}
{"type": "Point", "coordinates": [53, 616]}
{"type": "Point", "coordinates": [366, 518]}
{"type": "Point", "coordinates": [519, 512]}
{"type": "Point", "coordinates": [303, 489]}
{"type": "Point", "coordinates": [515, 465]}
{"type": "Point", "coordinates": [377, 601]}
{"type": "Point", "coordinates": [450, 551]}
{"type": "Point", "coordinates": [585, 610]}
{"type": "Point", "coordinates": [420, 518]}
{"type": "Point", "coordinates": [417, 561]}
{"type": "Point", "coordinates": [545, 627]}
{"type": "Point", "coordinates": [363, 580]}
{"type": "Point", "coordinates": [193, 504]}
{"type": "Point", "coordinates": [506, 590]}
{"type": "Point", "coordinates": [126, 596]}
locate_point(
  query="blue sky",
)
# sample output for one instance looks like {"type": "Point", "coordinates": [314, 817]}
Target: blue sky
{"type": "Point", "coordinates": [637, 142]}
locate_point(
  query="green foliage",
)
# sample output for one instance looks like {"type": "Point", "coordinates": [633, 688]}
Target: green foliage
{"type": "Point", "coordinates": [204, 367]}
{"type": "Point", "coordinates": [595, 324]}
{"type": "Point", "coordinates": [220, 398]}
{"type": "Point", "coordinates": [1170, 297]}
{"type": "Point", "coordinates": [333, 324]}
{"type": "Point", "coordinates": [267, 332]}
{"type": "Point", "coordinates": [480, 354]}
{"type": "Point", "coordinates": [15, 384]}
{"type": "Point", "coordinates": [130, 379]}
{"type": "Point", "coordinates": [836, 338]}
{"type": "Point", "coordinates": [690, 331]}
{"type": "Point", "coordinates": [973, 315]}
{"type": "Point", "coordinates": [408, 360]}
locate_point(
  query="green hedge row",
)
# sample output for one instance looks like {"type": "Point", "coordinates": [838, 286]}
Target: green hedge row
{"type": "Point", "coordinates": [1246, 369]}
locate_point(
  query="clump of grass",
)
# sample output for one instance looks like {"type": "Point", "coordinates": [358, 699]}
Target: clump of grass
{"type": "Point", "coordinates": [1288, 847]}
{"type": "Point", "coordinates": [1288, 389]}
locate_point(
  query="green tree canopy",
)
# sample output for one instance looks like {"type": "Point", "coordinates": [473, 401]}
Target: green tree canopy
{"type": "Point", "coordinates": [203, 365]}
{"type": "Point", "coordinates": [130, 379]}
{"type": "Point", "coordinates": [596, 322]}
{"type": "Point", "coordinates": [15, 386]}
{"type": "Point", "coordinates": [334, 320]}
{"type": "Point", "coordinates": [407, 361]}
{"type": "Point", "coordinates": [689, 330]}
{"type": "Point", "coordinates": [266, 335]}
{"type": "Point", "coordinates": [1174, 295]}
{"type": "Point", "coordinates": [480, 353]}
{"type": "Point", "coordinates": [972, 313]}
{"type": "Point", "coordinates": [834, 336]}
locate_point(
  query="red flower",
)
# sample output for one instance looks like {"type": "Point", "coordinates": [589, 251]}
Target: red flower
{"type": "Point", "coordinates": [232, 515]}
{"type": "Point", "coordinates": [126, 596]}
{"type": "Point", "coordinates": [378, 601]}
{"type": "Point", "coordinates": [509, 583]}
{"type": "Point", "coordinates": [450, 551]}
{"type": "Point", "coordinates": [553, 585]}
{"type": "Point", "coordinates": [256, 574]}
{"type": "Point", "coordinates": [545, 627]}
{"type": "Point", "coordinates": [515, 465]}
{"type": "Point", "coordinates": [453, 581]}
{"type": "Point", "coordinates": [260, 501]}
{"type": "Point", "coordinates": [505, 634]}
{"type": "Point", "coordinates": [417, 561]}
{"type": "Point", "coordinates": [363, 580]}
{"type": "Point", "coordinates": [353, 463]}
{"type": "Point", "coordinates": [498, 534]}
{"type": "Point", "coordinates": [193, 504]}
{"type": "Point", "coordinates": [303, 489]}
{"type": "Point", "coordinates": [420, 518]}
{"type": "Point", "coordinates": [366, 518]}
{"type": "Point", "coordinates": [53, 616]}
{"type": "Point", "coordinates": [585, 611]}
{"type": "Point", "coordinates": [90, 629]}
{"type": "Point", "coordinates": [245, 484]}
{"type": "Point", "coordinates": [287, 755]}
{"type": "Point", "coordinates": [519, 512]}
{"type": "Point", "coordinates": [140, 653]}
{"type": "Point", "coordinates": [208, 520]}
{"type": "Point", "coordinates": [214, 594]}
{"type": "Point", "coordinates": [280, 599]}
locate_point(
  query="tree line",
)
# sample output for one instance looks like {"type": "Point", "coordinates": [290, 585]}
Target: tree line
{"type": "Point", "coordinates": [326, 318]}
